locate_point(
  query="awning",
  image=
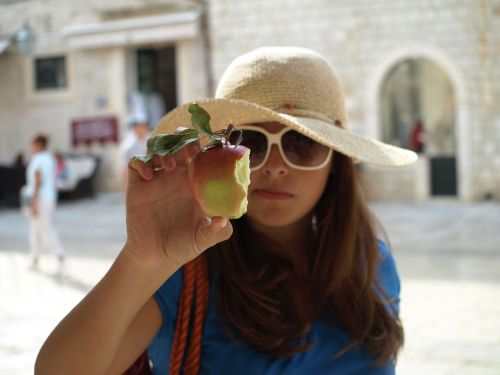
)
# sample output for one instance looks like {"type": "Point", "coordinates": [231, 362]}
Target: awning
{"type": "Point", "coordinates": [4, 44]}
{"type": "Point", "coordinates": [139, 30]}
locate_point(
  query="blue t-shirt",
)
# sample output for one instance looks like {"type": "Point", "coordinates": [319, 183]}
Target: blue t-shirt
{"type": "Point", "coordinates": [221, 355]}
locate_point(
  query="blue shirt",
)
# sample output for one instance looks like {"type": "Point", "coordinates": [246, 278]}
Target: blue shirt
{"type": "Point", "coordinates": [221, 355]}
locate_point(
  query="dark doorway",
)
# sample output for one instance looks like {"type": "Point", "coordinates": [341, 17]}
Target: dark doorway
{"type": "Point", "coordinates": [443, 176]}
{"type": "Point", "coordinates": [156, 82]}
{"type": "Point", "coordinates": [418, 113]}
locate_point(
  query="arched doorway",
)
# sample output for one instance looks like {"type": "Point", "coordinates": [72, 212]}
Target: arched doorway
{"type": "Point", "coordinates": [417, 111]}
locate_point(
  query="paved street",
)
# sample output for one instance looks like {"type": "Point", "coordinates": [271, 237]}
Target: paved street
{"type": "Point", "coordinates": [448, 255]}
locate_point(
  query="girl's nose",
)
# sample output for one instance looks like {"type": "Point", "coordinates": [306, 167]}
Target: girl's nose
{"type": "Point", "coordinates": [275, 165]}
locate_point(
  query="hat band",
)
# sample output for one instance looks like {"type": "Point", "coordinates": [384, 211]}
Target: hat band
{"type": "Point", "coordinates": [297, 112]}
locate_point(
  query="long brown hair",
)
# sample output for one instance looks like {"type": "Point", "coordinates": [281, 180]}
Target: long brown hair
{"type": "Point", "coordinates": [256, 289]}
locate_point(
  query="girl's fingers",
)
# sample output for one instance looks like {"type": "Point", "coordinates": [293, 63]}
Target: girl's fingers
{"type": "Point", "coordinates": [167, 163]}
{"type": "Point", "coordinates": [182, 157]}
{"type": "Point", "coordinates": [138, 168]}
{"type": "Point", "coordinates": [188, 152]}
{"type": "Point", "coordinates": [213, 231]}
{"type": "Point", "coordinates": [157, 162]}
{"type": "Point", "coordinates": [193, 149]}
{"type": "Point", "coordinates": [146, 170]}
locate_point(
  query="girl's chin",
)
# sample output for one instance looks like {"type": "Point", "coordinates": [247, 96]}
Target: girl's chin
{"type": "Point", "coordinates": [271, 219]}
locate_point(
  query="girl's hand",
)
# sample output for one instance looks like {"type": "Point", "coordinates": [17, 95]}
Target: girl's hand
{"type": "Point", "coordinates": [165, 226]}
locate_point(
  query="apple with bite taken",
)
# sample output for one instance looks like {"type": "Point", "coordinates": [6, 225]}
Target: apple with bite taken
{"type": "Point", "coordinates": [219, 178]}
{"type": "Point", "coordinates": [219, 174]}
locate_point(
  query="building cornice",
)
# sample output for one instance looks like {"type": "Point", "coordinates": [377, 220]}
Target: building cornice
{"type": "Point", "coordinates": [151, 29]}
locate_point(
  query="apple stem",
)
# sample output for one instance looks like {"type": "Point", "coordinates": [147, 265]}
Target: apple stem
{"type": "Point", "coordinates": [225, 134]}
{"type": "Point", "coordinates": [240, 138]}
{"type": "Point", "coordinates": [228, 132]}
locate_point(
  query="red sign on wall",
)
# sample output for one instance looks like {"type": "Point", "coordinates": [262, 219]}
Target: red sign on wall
{"type": "Point", "coordinates": [97, 129]}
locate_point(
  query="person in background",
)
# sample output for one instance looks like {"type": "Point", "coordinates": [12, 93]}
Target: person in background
{"type": "Point", "coordinates": [61, 169]}
{"type": "Point", "coordinates": [19, 161]}
{"type": "Point", "coordinates": [134, 144]}
{"type": "Point", "coordinates": [417, 137]}
{"type": "Point", "coordinates": [40, 196]}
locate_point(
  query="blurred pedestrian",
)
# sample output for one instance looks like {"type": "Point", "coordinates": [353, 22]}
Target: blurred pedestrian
{"type": "Point", "coordinates": [61, 170]}
{"type": "Point", "coordinates": [19, 161]}
{"type": "Point", "coordinates": [134, 144]}
{"type": "Point", "coordinates": [40, 197]}
{"type": "Point", "coordinates": [417, 137]}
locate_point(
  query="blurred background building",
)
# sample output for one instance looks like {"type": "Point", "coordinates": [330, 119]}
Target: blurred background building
{"type": "Point", "coordinates": [421, 74]}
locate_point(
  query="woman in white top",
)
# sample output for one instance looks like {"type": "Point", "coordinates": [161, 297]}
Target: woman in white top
{"type": "Point", "coordinates": [40, 194]}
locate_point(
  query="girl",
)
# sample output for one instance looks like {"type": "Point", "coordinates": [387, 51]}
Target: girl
{"type": "Point", "coordinates": [301, 284]}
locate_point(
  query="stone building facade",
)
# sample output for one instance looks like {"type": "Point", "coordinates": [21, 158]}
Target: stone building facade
{"type": "Point", "coordinates": [452, 45]}
{"type": "Point", "coordinates": [100, 44]}
{"type": "Point", "coordinates": [364, 40]}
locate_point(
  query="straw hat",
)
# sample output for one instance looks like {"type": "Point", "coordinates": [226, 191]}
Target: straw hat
{"type": "Point", "coordinates": [296, 87]}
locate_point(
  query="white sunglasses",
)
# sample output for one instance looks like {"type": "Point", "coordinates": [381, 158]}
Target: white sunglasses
{"type": "Point", "coordinates": [297, 150]}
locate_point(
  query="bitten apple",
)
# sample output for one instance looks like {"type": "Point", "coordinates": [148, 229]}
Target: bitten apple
{"type": "Point", "coordinates": [219, 178]}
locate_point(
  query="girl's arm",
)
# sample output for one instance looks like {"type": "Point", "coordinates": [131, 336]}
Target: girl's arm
{"type": "Point", "coordinates": [165, 229]}
{"type": "Point", "coordinates": [110, 327]}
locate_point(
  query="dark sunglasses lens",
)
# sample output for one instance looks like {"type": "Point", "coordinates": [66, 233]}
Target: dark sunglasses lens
{"type": "Point", "coordinates": [256, 142]}
{"type": "Point", "coordinates": [303, 151]}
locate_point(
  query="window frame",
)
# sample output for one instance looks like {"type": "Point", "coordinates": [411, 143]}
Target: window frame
{"type": "Point", "coordinates": [51, 95]}
{"type": "Point", "coordinates": [37, 61]}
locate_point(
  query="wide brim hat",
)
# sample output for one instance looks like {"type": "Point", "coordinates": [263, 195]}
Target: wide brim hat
{"type": "Point", "coordinates": [296, 87]}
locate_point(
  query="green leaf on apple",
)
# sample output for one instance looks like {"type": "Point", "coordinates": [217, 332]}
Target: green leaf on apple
{"type": "Point", "coordinates": [143, 158]}
{"type": "Point", "coordinates": [200, 119]}
{"type": "Point", "coordinates": [170, 144]}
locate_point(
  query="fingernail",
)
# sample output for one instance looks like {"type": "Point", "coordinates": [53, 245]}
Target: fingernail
{"type": "Point", "coordinates": [193, 149]}
{"type": "Point", "coordinates": [148, 173]}
{"type": "Point", "coordinates": [169, 163]}
{"type": "Point", "coordinates": [207, 221]}
{"type": "Point", "coordinates": [223, 223]}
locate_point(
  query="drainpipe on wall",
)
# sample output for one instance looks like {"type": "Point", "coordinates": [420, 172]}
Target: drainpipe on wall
{"type": "Point", "coordinates": [207, 46]}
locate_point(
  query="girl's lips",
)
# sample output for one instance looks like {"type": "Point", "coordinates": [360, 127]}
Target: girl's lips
{"type": "Point", "coordinates": [273, 194]}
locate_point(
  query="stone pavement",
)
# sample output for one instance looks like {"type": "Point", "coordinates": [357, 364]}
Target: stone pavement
{"type": "Point", "coordinates": [448, 255]}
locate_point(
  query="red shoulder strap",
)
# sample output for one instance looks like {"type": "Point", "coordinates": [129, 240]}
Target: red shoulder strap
{"type": "Point", "coordinates": [195, 288]}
